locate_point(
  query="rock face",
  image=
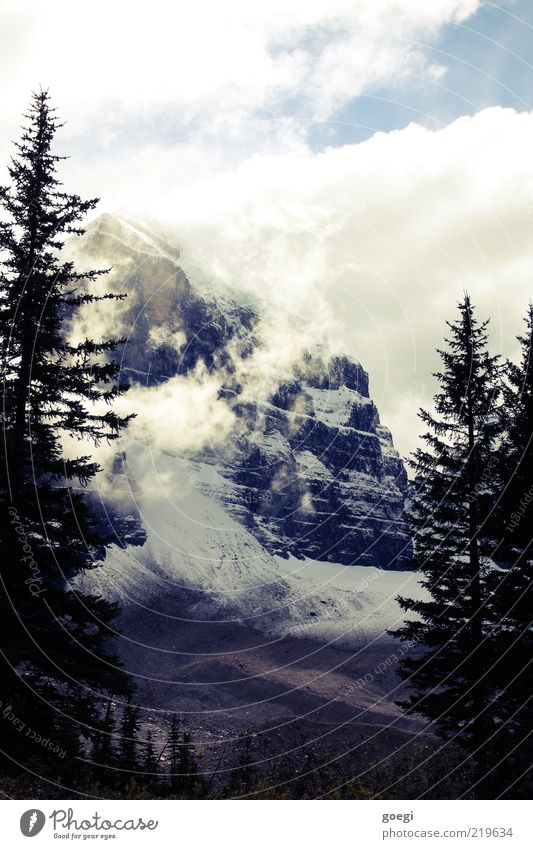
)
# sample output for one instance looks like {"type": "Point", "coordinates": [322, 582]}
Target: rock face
{"type": "Point", "coordinates": [325, 483]}
{"type": "Point", "coordinates": [312, 472]}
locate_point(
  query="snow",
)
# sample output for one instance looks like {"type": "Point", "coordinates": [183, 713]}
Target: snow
{"type": "Point", "coordinates": [274, 445]}
{"type": "Point", "coordinates": [311, 465]}
{"type": "Point", "coordinates": [194, 545]}
{"type": "Point", "coordinates": [195, 549]}
{"type": "Point", "coordinates": [362, 598]}
{"type": "Point", "coordinates": [143, 236]}
{"type": "Point", "coordinates": [334, 406]}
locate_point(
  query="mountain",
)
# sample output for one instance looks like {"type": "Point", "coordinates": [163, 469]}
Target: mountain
{"type": "Point", "coordinates": [311, 471]}
{"type": "Point", "coordinates": [216, 628]}
{"type": "Point", "coordinates": [257, 568]}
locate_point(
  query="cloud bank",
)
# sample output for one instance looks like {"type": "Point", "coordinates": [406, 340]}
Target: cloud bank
{"type": "Point", "coordinates": [373, 244]}
{"type": "Point", "coordinates": [202, 116]}
{"type": "Point", "coordinates": [210, 60]}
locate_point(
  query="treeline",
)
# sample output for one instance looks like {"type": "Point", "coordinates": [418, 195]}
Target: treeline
{"type": "Point", "coordinates": [469, 667]}
{"type": "Point", "coordinates": [125, 760]}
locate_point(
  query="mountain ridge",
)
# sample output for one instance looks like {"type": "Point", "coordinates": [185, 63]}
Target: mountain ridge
{"type": "Point", "coordinates": [311, 472]}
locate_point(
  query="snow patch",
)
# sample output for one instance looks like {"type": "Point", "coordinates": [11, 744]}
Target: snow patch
{"type": "Point", "coordinates": [194, 545]}
{"type": "Point", "coordinates": [334, 406]}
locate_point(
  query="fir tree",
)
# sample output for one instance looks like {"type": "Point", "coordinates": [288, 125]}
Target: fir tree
{"type": "Point", "coordinates": [453, 498]}
{"type": "Point", "coordinates": [66, 735]}
{"type": "Point", "coordinates": [188, 767]}
{"type": "Point", "coordinates": [513, 671]}
{"type": "Point", "coordinates": [516, 508]}
{"type": "Point", "coordinates": [129, 738]}
{"type": "Point", "coordinates": [173, 746]}
{"type": "Point", "coordinates": [106, 750]}
{"type": "Point", "coordinates": [243, 777]}
{"type": "Point", "coordinates": [54, 651]}
{"type": "Point", "coordinates": [103, 752]}
{"type": "Point", "coordinates": [150, 761]}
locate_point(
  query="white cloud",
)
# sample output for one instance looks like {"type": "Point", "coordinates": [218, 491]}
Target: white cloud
{"type": "Point", "coordinates": [199, 113]}
{"type": "Point", "coordinates": [371, 245]}
{"type": "Point", "coordinates": [122, 69]}
{"type": "Point", "coordinates": [368, 246]}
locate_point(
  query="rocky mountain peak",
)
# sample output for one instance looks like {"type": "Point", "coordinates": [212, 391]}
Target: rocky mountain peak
{"type": "Point", "coordinates": [312, 472]}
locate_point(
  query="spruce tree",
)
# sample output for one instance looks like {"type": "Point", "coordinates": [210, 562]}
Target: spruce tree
{"type": "Point", "coordinates": [516, 470]}
{"type": "Point", "coordinates": [54, 652]}
{"type": "Point", "coordinates": [188, 766]}
{"type": "Point", "coordinates": [103, 751]}
{"type": "Point", "coordinates": [513, 671]}
{"type": "Point", "coordinates": [129, 739]}
{"type": "Point", "coordinates": [173, 746]}
{"type": "Point", "coordinates": [244, 775]}
{"type": "Point", "coordinates": [150, 761]}
{"type": "Point", "coordinates": [453, 499]}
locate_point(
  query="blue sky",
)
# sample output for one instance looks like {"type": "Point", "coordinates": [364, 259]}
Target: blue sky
{"type": "Point", "coordinates": [489, 62]}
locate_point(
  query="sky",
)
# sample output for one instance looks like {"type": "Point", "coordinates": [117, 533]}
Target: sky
{"type": "Point", "coordinates": [359, 163]}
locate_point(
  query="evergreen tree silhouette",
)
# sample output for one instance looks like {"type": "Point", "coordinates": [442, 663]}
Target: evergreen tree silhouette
{"type": "Point", "coordinates": [173, 746]}
{"type": "Point", "coordinates": [54, 651]}
{"type": "Point", "coordinates": [103, 751]}
{"type": "Point", "coordinates": [188, 767]}
{"type": "Point", "coordinates": [513, 519]}
{"type": "Point", "coordinates": [150, 761]}
{"type": "Point", "coordinates": [129, 739]}
{"type": "Point", "coordinates": [243, 777]}
{"type": "Point", "coordinates": [453, 499]}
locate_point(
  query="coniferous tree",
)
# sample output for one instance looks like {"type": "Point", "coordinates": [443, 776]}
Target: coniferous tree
{"type": "Point", "coordinates": [173, 746]}
{"type": "Point", "coordinates": [243, 777]}
{"type": "Point", "coordinates": [516, 470]}
{"type": "Point", "coordinates": [513, 671]}
{"type": "Point", "coordinates": [54, 655]}
{"type": "Point", "coordinates": [188, 766]}
{"type": "Point", "coordinates": [150, 761]}
{"type": "Point", "coordinates": [129, 739]}
{"type": "Point", "coordinates": [103, 751]}
{"type": "Point", "coordinates": [453, 499]}
{"type": "Point", "coordinates": [106, 749]}
{"type": "Point", "coordinates": [66, 735]}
